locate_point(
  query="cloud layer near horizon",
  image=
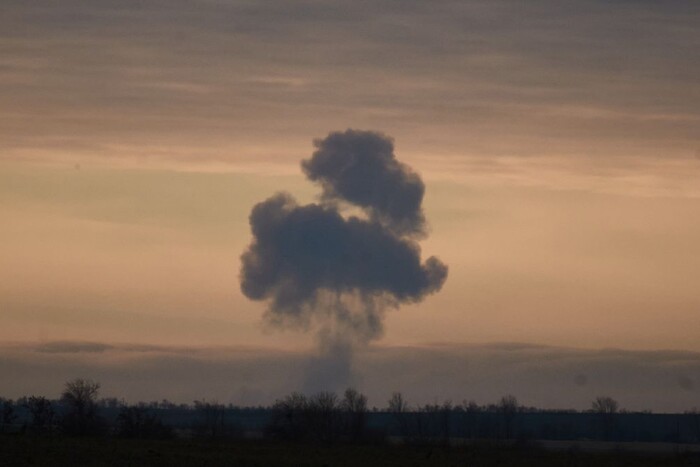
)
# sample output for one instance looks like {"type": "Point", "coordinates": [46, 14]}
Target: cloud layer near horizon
{"type": "Point", "coordinates": [547, 377]}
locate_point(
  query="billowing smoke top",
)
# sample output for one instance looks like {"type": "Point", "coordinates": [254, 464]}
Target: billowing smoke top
{"type": "Point", "coordinates": [314, 265]}
{"type": "Point", "coordinates": [359, 167]}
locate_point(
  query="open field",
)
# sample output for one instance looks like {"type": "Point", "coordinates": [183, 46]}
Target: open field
{"type": "Point", "coordinates": [62, 451]}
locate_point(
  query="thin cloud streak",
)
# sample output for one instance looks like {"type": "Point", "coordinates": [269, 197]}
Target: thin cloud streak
{"type": "Point", "coordinates": [202, 83]}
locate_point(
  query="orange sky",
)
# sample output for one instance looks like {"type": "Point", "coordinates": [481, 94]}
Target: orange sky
{"type": "Point", "coordinates": [558, 142]}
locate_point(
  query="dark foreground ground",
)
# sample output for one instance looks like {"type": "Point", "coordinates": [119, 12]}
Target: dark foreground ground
{"type": "Point", "coordinates": [74, 452]}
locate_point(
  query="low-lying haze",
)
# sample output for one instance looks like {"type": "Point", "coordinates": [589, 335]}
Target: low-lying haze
{"type": "Point", "coordinates": [545, 377]}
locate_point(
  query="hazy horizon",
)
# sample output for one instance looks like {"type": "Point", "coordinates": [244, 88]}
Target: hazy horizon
{"type": "Point", "coordinates": [539, 376]}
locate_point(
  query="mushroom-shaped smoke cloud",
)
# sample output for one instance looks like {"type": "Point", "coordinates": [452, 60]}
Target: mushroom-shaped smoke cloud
{"type": "Point", "coordinates": [317, 267]}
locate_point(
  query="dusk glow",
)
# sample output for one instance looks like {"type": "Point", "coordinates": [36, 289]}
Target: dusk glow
{"type": "Point", "coordinates": [521, 214]}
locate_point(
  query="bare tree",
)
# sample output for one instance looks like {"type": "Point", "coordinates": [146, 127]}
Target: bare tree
{"type": "Point", "coordinates": [354, 407]}
{"type": "Point", "coordinates": [323, 416]}
{"type": "Point", "coordinates": [42, 414]}
{"type": "Point", "coordinates": [446, 420]}
{"type": "Point", "coordinates": [80, 399]}
{"type": "Point", "coordinates": [211, 422]}
{"type": "Point", "coordinates": [508, 407]}
{"type": "Point", "coordinates": [398, 406]}
{"type": "Point", "coordinates": [426, 420]}
{"type": "Point", "coordinates": [605, 405]}
{"type": "Point", "coordinates": [397, 403]}
{"type": "Point", "coordinates": [470, 410]}
{"type": "Point", "coordinates": [606, 408]}
{"type": "Point", "coordinates": [354, 401]}
{"type": "Point", "coordinates": [289, 417]}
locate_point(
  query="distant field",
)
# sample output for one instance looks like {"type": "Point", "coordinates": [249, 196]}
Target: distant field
{"type": "Point", "coordinates": [74, 452]}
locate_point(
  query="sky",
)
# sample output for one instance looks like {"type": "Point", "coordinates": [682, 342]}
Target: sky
{"type": "Point", "coordinates": [558, 141]}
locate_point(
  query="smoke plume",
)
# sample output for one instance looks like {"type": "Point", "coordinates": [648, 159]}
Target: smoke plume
{"type": "Point", "coordinates": [319, 269]}
{"type": "Point", "coordinates": [359, 167]}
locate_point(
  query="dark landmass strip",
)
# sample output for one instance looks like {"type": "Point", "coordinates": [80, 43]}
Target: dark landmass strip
{"type": "Point", "coordinates": [324, 429]}
{"type": "Point", "coordinates": [66, 451]}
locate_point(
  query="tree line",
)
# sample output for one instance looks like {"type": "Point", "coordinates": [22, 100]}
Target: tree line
{"type": "Point", "coordinates": [324, 417]}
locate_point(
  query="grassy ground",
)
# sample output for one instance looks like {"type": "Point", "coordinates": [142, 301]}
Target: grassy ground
{"type": "Point", "coordinates": [58, 451]}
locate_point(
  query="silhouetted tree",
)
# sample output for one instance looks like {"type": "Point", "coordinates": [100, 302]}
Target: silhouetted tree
{"type": "Point", "coordinates": [323, 415]}
{"type": "Point", "coordinates": [398, 406]}
{"type": "Point", "coordinates": [80, 400]}
{"type": "Point", "coordinates": [289, 417]}
{"type": "Point", "coordinates": [470, 409]}
{"type": "Point", "coordinates": [605, 405]}
{"type": "Point", "coordinates": [606, 408]}
{"type": "Point", "coordinates": [42, 414]}
{"type": "Point", "coordinates": [397, 403]}
{"type": "Point", "coordinates": [425, 423]}
{"type": "Point", "coordinates": [508, 407]}
{"type": "Point", "coordinates": [166, 404]}
{"type": "Point", "coordinates": [211, 421]}
{"type": "Point", "coordinates": [317, 418]}
{"type": "Point", "coordinates": [354, 407]}
{"type": "Point", "coordinates": [446, 421]}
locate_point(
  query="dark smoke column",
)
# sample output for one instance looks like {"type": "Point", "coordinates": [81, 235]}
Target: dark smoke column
{"type": "Point", "coordinates": [317, 268]}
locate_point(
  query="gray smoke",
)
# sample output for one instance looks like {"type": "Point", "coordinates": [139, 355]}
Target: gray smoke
{"type": "Point", "coordinates": [359, 167]}
{"type": "Point", "coordinates": [317, 268]}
